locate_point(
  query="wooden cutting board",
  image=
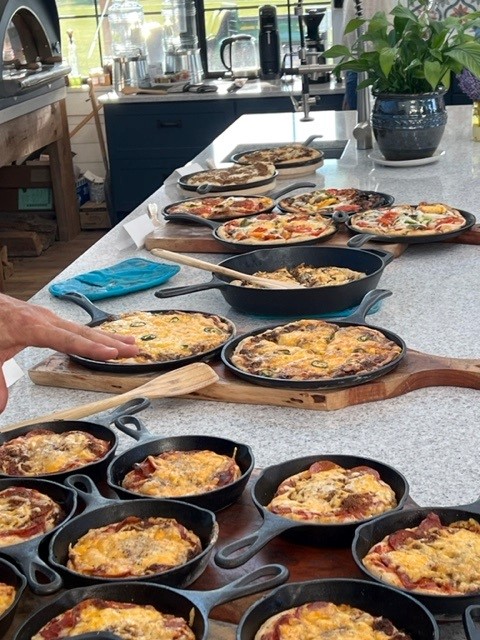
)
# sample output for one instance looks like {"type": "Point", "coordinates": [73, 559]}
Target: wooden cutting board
{"type": "Point", "coordinates": [417, 371]}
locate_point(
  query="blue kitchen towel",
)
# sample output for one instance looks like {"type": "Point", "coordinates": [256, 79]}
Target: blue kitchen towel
{"type": "Point", "coordinates": [125, 277]}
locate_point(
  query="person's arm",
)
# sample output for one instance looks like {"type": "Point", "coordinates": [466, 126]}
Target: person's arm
{"type": "Point", "coordinates": [23, 324]}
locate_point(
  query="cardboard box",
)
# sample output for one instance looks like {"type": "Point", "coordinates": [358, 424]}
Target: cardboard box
{"type": "Point", "coordinates": [82, 189]}
{"type": "Point", "coordinates": [94, 215]}
{"type": "Point", "coordinates": [34, 174]}
{"type": "Point", "coordinates": [22, 199]}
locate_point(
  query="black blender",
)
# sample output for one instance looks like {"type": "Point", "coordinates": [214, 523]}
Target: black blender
{"type": "Point", "coordinates": [315, 43]}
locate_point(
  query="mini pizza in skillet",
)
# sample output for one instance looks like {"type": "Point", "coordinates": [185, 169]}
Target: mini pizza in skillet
{"type": "Point", "coordinates": [41, 451]}
{"type": "Point", "coordinates": [348, 200]}
{"type": "Point", "coordinates": [26, 513]}
{"type": "Point", "coordinates": [232, 176]}
{"type": "Point", "coordinates": [170, 335]}
{"type": "Point", "coordinates": [327, 493]}
{"type": "Point", "coordinates": [7, 596]}
{"type": "Point", "coordinates": [277, 228]}
{"type": "Point", "coordinates": [307, 276]}
{"type": "Point", "coordinates": [409, 220]}
{"type": "Point", "coordinates": [432, 558]}
{"type": "Point", "coordinates": [222, 207]}
{"type": "Point", "coordinates": [128, 620]}
{"type": "Point", "coordinates": [282, 156]}
{"type": "Point", "coordinates": [325, 620]}
{"type": "Point", "coordinates": [133, 547]}
{"type": "Point", "coordinates": [181, 473]}
{"type": "Point", "coordinates": [310, 349]}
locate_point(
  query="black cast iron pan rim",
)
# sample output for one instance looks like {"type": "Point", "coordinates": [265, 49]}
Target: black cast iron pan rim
{"type": "Point", "coordinates": [101, 511]}
{"type": "Point", "coordinates": [404, 611]}
{"type": "Point", "coordinates": [182, 181]}
{"type": "Point", "coordinates": [443, 607]}
{"type": "Point", "coordinates": [149, 444]}
{"type": "Point", "coordinates": [387, 201]}
{"type": "Point", "coordinates": [99, 317]}
{"type": "Point", "coordinates": [26, 554]}
{"type": "Point", "coordinates": [361, 237]}
{"type": "Point", "coordinates": [332, 383]}
{"type": "Point", "coordinates": [10, 575]}
{"type": "Point", "coordinates": [281, 165]}
{"type": "Point", "coordinates": [178, 602]}
{"type": "Point", "coordinates": [99, 429]}
{"type": "Point", "coordinates": [273, 524]}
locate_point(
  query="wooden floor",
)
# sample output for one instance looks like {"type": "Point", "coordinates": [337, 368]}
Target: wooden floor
{"type": "Point", "coordinates": [31, 274]}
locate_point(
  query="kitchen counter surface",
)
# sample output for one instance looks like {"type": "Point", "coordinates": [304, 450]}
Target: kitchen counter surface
{"type": "Point", "coordinates": [430, 435]}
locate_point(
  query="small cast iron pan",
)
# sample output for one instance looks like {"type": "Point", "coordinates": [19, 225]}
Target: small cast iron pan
{"type": "Point", "coordinates": [151, 445]}
{"type": "Point", "coordinates": [360, 238]}
{"type": "Point", "coordinates": [99, 317]}
{"type": "Point", "coordinates": [179, 217]}
{"type": "Point", "coordinates": [207, 187]}
{"type": "Point", "coordinates": [335, 535]}
{"type": "Point", "coordinates": [101, 511]}
{"type": "Point", "coordinates": [41, 578]}
{"type": "Point", "coordinates": [368, 534]}
{"type": "Point", "coordinates": [355, 319]}
{"type": "Point", "coordinates": [294, 302]}
{"type": "Point", "coordinates": [384, 200]}
{"type": "Point", "coordinates": [402, 610]}
{"type": "Point", "coordinates": [96, 426]}
{"type": "Point", "coordinates": [11, 576]}
{"type": "Point", "coordinates": [193, 606]}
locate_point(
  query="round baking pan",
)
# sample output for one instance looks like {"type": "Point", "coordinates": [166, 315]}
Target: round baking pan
{"type": "Point", "coordinates": [193, 606]}
{"type": "Point", "coordinates": [11, 576]}
{"type": "Point", "coordinates": [97, 426]}
{"type": "Point", "coordinates": [384, 200]}
{"type": "Point", "coordinates": [287, 168]}
{"type": "Point", "coordinates": [370, 533]}
{"type": "Point", "coordinates": [98, 317]}
{"type": "Point", "coordinates": [101, 511]}
{"type": "Point", "coordinates": [357, 318]}
{"type": "Point", "coordinates": [151, 445]}
{"type": "Point", "coordinates": [258, 186]}
{"type": "Point", "coordinates": [238, 552]}
{"type": "Point", "coordinates": [294, 302]}
{"type": "Point", "coordinates": [402, 610]}
{"type": "Point", "coordinates": [360, 238]}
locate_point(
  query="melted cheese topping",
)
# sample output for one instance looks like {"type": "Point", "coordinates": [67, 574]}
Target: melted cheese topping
{"type": "Point", "coordinates": [348, 200]}
{"type": "Point", "coordinates": [314, 349]}
{"type": "Point", "coordinates": [283, 155]}
{"type": "Point", "coordinates": [236, 175]}
{"type": "Point", "coordinates": [326, 621]}
{"type": "Point", "coordinates": [127, 620]}
{"type": "Point", "coordinates": [41, 451]}
{"type": "Point", "coordinates": [170, 335]}
{"type": "Point", "coordinates": [7, 596]}
{"type": "Point", "coordinates": [327, 493]}
{"type": "Point", "coordinates": [133, 547]}
{"type": "Point", "coordinates": [308, 276]}
{"type": "Point", "coordinates": [443, 560]}
{"type": "Point", "coordinates": [181, 473]}
{"type": "Point", "coordinates": [222, 207]}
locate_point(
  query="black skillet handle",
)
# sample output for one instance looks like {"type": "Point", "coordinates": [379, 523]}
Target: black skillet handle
{"type": "Point", "coordinates": [134, 405]}
{"type": "Point", "coordinates": [260, 579]}
{"type": "Point", "coordinates": [82, 301]}
{"type": "Point", "coordinates": [172, 292]}
{"type": "Point", "coordinates": [310, 139]}
{"type": "Point", "coordinates": [87, 490]}
{"type": "Point", "coordinates": [360, 239]}
{"type": "Point", "coordinates": [190, 217]}
{"type": "Point", "coordinates": [138, 431]}
{"type": "Point", "coordinates": [470, 617]}
{"type": "Point", "coordinates": [34, 568]}
{"type": "Point", "coordinates": [292, 187]}
{"type": "Point", "coordinates": [370, 298]}
{"type": "Point", "coordinates": [386, 256]}
{"type": "Point", "coordinates": [206, 187]}
{"type": "Point", "coordinates": [339, 217]}
{"type": "Point", "coordinates": [96, 635]}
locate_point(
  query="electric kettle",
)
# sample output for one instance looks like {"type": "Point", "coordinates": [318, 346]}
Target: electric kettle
{"type": "Point", "coordinates": [239, 56]}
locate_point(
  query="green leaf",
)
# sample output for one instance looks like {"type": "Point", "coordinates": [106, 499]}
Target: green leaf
{"type": "Point", "coordinates": [387, 58]}
{"type": "Point", "coordinates": [336, 51]}
{"type": "Point", "coordinates": [433, 73]}
{"type": "Point", "coordinates": [468, 55]}
{"type": "Point", "coordinates": [354, 24]}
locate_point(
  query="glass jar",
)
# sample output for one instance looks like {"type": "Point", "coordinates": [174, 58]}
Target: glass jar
{"type": "Point", "coordinates": [476, 120]}
{"type": "Point", "coordinates": [126, 20]}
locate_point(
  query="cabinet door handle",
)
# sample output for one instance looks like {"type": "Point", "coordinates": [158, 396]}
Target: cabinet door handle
{"type": "Point", "coordinates": [169, 123]}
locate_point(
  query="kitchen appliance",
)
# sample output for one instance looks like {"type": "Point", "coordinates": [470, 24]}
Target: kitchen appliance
{"type": "Point", "coordinates": [269, 43]}
{"type": "Point", "coordinates": [315, 42]}
{"type": "Point", "coordinates": [238, 54]}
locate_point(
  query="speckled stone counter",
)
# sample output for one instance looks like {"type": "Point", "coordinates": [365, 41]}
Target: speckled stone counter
{"type": "Point", "coordinates": [430, 435]}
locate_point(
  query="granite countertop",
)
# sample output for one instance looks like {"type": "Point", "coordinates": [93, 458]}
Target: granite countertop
{"type": "Point", "coordinates": [430, 435]}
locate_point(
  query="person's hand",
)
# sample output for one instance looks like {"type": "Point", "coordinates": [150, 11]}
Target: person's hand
{"type": "Point", "coordinates": [23, 324]}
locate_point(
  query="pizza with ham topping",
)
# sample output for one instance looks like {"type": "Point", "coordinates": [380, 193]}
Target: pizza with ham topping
{"type": "Point", "coordinates": [232, 176]}
{"type": "Point", "coordinates": [222, 207]}
{"type": "Point", "coordinates": [133, 547]}
{"type": "Point", "coordinates": [25, 514]}
{"type": "Point", "coordinates": [327, 493]}
{"type": "Point", "coordinates": [128, 620]}
{"type": "Point", "coordinates": [41, 451]}
{"type": "Point", "coordinates": [181, 473]}
{"type": "Point", "coordinates": [282, 156]}
{"type": "Point", "coordinates": [432, 558]}
{"type": "Point", "coordinates": [320, 620]}
{"type": "Point", "coordinates": [348, 200]}
{"type": "Point", "coordinates": [7, 596]}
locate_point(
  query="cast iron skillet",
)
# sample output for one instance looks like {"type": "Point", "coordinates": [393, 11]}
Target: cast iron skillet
{"type": "Point", "coordinates": [294, 302]}
{"type": "Point", "coordinates": [402, 610]}
{"type": "Point", "coordinates": [368, 534]}
{"type": "Point", "coordinates": [355, 319]}
{"type": "Point", "coordinates": [41, 578]}
{"type": "Point", "coordinates": [99, 317]}
{"type": "Point", "coordinates": [151, 445]}
{"type": "Point", "coordinates": [101, 511]}
{"type": "Point", "coordinates": [96, 426]}
{"type": "Point", "coordinates": [385, 200]}
{"type": "Point", "coordinates": [179, 217]}
{"type": "Point", "coordinates": [207, 187]}
{"type": "Point", "coordinates": [317, 534]}
{"type": "Point", "coordinates": [11, 576]}
{"type": "Point", "coordinates": [360, 238]}
{"type": "Point", "coordinates": [193, 606]}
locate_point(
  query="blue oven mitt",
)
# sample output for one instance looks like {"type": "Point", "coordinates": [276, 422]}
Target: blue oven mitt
{"type": "Point", "coordinates": [125, 277]}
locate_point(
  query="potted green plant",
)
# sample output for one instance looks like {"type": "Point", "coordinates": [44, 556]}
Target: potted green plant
{"type": "Point", "coordinates": [407, 57]}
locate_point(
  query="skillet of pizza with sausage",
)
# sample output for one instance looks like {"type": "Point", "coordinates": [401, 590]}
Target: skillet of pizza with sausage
{"type": "Point", "coordinates": [220, 207]}
{"type": "Point", "coordinates": [324, 200]}
{"type": "Point", "coordinates": [282, 156]}
{"type": "Point", "coordinates": [236, 175]}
